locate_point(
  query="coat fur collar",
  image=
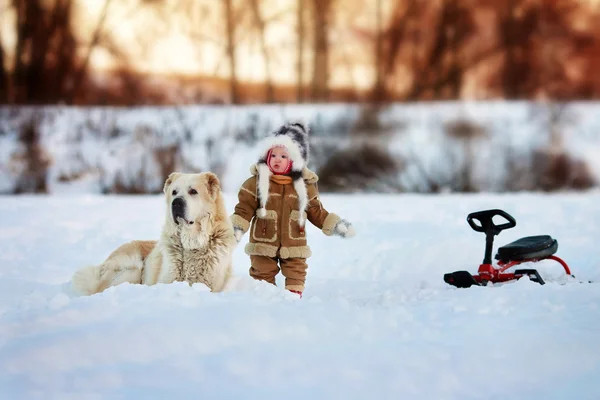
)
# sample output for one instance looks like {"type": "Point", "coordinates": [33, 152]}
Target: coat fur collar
{"type": "Point", "coordinates": [309, 176]}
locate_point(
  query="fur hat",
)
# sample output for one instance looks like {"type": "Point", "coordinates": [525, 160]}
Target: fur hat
{"type": "Point", "coordinates": [294, 137]}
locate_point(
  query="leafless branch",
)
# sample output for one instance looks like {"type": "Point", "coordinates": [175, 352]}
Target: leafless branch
{"type": "Point", "coordinates": [279, 15]}
{"type": "Point", "coordinates": [201, 37]}
{"type": "Point", "coordinates": [261, 27]}
{"type": "Point", "coordinates": [93, 43]}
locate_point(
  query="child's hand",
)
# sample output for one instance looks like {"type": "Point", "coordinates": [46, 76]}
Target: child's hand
{"type": "Point", "coordinates": [344, 229]}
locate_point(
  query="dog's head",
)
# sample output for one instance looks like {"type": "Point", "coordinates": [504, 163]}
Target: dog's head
{"type": "Point", "coordinates": [191, 197]}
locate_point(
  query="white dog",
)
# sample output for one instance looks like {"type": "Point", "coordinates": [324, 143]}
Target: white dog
{"type": "Point", "coordinates": [195, 246]}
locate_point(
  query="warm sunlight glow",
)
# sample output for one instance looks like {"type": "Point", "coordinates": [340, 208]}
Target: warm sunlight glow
{"type": "Point", "coordinates": [172, 51]}
{"type": "Point", "coordinates": [245, 51]}
{"type": "Point", "coordinates": [7, 33]}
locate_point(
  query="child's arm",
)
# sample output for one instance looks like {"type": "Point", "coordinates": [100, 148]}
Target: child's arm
{"type": "Point", "coordinates": [245, 208]}
{"type": "Point", "coordinates": [329, 223]}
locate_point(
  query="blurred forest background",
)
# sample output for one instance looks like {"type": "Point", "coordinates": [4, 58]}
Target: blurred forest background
{"type": "Point", "coordinates": [157, 52]}
{"type": "Point", "coordinates": [110, 96]}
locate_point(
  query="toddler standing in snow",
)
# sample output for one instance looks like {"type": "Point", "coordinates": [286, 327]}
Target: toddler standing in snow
{"type": "Point", "coordinates": [276, 202]}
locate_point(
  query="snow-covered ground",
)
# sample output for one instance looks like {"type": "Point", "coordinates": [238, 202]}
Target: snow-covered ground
{"type": "Point", "coordinates": [376, 320]}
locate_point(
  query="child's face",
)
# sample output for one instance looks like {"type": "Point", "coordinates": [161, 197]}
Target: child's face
{"type": "Point", "coordinates": [279, 159]}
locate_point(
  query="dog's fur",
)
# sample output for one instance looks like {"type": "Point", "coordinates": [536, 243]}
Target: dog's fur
{"type": "Point", "coordinates": [195, 246]}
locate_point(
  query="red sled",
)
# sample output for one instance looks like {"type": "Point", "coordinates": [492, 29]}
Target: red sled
{"type": "Point", "coordinates": [526, 249]}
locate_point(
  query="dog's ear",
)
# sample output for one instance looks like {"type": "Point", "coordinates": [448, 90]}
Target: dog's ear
{"type": "Point", "coordinates": [213, 184]}
{"type": "Point", "coordinates": [172, 178]}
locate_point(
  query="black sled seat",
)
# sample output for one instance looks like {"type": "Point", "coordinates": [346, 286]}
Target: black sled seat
{"type": "Point", "coordinates": [530, 247]}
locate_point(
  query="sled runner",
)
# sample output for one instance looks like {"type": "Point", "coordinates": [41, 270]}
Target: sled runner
{"type": "Point", "coordinates": [526, 249]}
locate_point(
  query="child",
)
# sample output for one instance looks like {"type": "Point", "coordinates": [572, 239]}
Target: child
{"type": "Point", "coordinates": [274, 204]}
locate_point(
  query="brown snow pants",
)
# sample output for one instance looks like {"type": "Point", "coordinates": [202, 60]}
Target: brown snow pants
{"type": "Point", "coordinates": [294, 269]}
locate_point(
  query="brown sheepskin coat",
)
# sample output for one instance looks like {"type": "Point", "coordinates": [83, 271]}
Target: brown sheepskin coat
{"type": "Point", "coordinates": [279, 229]}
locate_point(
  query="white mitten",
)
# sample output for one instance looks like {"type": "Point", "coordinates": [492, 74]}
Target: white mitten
{"type": "Point", "coordinates": [238, 233]}
{"type": "Point", "coordinates": [344, 229]}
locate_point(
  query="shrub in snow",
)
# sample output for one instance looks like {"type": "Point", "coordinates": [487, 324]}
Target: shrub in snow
{"type": "Point", "coordinates": [30, 162]}
{"type": "Point", "coordinates": [138, 163]}
{"type": "Point", "coordinates": [421, 147]}
{"type": "Point", "coordinates": [360, 168]}
{"type": "Point", "coordinates": [557, 170]}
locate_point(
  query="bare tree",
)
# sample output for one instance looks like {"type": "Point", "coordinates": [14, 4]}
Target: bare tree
{"type": "Point", "coordinates": [226, 28]}
{"type": "Point", "coordinates": [81, 72]}
{"type": "Point", "coordinates": [439, 68]}
{"type": "Point", "coordinates": [396, 35]}
{"type": "Point", "coordinates": [45, 51]}
{"type": "Point", "coordinates": [507, 27]}
{"type": "Point", "coordinates": [260, 25]}
{"type": "Point", "coordinates": [563, 46]}
{"type": "Point", "coordinates": [300, 51]}
{"type": "Point", "coordinates": [379, 89]}
{"type": "Point", "coordinates": [230, 24]}
{"type": "Point", "coordinates": [3, 76]}
{"type": "Point", "coordinates": [47, 67]}
{"type": "Point", "coordinates": [4, 95]}
{"type": "Point", "coordinates": [451, 26]}
{"type": "Point", "coordinates": [518, 22]}
{"type": "Point", "coordinates": [320, 79]}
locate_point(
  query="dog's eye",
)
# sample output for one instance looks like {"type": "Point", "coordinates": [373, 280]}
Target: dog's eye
{"type": "Point", "coordinates": [192, 192]}
{"type": "Point", "coordinates": [174, 193]}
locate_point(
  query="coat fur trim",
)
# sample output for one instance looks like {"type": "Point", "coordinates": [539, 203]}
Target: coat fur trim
{"type": "Point", "coordinates": [300, 188]}
{"type": "Point", "coordinates": [267, 250]}
{"type": "Point", "coordinates": [295, 152]}
{"type": "Point", "coordinates": [261, 249]}
{"type": "Point", "coordinates": [295, 252]}
{"type": "Point", "coordinates": [330, 223]}
{"type": "Point", "coordinates": [239, 222]}
{"type": "Point", "coordinates": [309, 176]}
{"type": "Point", "coordinates": [264, 173]}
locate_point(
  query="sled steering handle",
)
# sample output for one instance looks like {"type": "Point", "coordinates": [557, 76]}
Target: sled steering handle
{"type": "Point", "coordinates": [487, 224]}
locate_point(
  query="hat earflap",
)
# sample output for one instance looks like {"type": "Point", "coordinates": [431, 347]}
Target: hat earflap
{"type": "Point", "coordinates": [264, 175]}
{"type": "Point", "coordinates": [300, 187]}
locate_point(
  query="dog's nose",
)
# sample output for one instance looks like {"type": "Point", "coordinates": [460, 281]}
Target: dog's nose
{"type": "Point", "coordinates": [178, 207]}
{"type": "Point", "coordinates": [178, 203]}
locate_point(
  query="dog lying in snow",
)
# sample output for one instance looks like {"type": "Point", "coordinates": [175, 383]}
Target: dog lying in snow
{"type": "Point", "coordinates": [196, 243]}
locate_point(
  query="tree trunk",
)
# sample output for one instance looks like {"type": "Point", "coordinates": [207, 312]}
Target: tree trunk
{"type": "Point", "coordinates": [230, 26]}
{"type": "Point", "coordinates": [454, 71]}
{"type": "Point", "coordinates": [82, 70]}
{"type": "Point", "coordinates": [23, 30]}
{"type": "Point", "coordinates": [45, 51]}
{"type": "Point", "coordinates": [260, 25]}
{"type": "Point", "coordinates": [38, 88]}
{"type": "Point", "coordinates": [4, 95]}
{"type": "Point", "coordinates": [65, 51]}
{"type": "Point", "coordinates": [509, 78]}
{"type": "Point", "coordinates": [3, 77]}
{"type": "Point", "coordinates": [440, 75]}
{"type": "Point", "coordinates": [379, 89]}
{"type": "Point", "coordinates": [300, 51]}
{"type": "Point", "coordinates": [396, 35]}
{"type": "Point", "coordinates": [320, 78]}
